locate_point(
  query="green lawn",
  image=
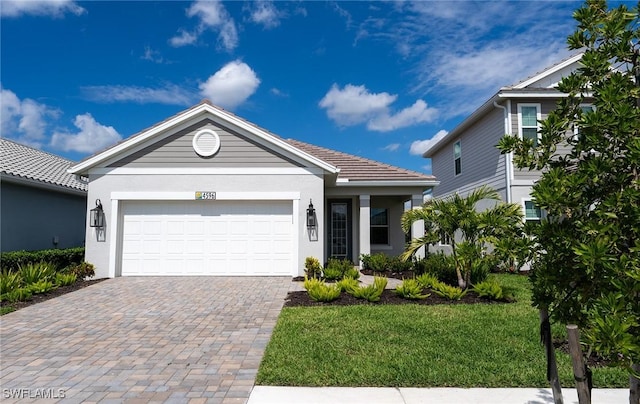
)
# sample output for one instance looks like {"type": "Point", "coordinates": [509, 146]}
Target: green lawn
{"type": "Point", "coordinates": [478, 345]}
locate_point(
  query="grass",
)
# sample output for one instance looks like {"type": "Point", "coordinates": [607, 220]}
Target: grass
{"type": "Point", "coordinates": [461, 345]}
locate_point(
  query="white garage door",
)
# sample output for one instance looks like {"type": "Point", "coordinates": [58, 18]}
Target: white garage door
{"type": "Point", "coordinates": [207, 238]}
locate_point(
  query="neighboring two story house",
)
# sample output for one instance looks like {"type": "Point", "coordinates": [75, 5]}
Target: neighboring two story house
{"type": "Point", "coordinates": [467, 157]}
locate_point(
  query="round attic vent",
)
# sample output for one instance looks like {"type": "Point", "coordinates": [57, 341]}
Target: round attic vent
{"type": "Point", "coordinates": [206, 142]}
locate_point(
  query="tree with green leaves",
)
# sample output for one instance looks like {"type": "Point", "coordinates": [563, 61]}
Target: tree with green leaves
{"type": "Point", "coordinates": [468, 227]}
{"type": "Point", "coordinates": [587, 261]}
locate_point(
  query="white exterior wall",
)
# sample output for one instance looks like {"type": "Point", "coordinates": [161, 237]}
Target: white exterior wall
{"type": "Point", "coordinates": [106, 187]}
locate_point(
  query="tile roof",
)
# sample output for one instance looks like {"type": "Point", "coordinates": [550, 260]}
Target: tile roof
{"type": "Point", "coordinates": [357, 168]}
{"type": "Point", "coordinates": [24, 162]}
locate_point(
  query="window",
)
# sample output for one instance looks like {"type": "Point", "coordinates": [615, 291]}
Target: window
{"type": "Point", "coordinates": [528, 116]}
{"type": "Point", "coordinates": [457, 156]}
{"type": "Point", "coordinates": [585, 108]}
{"type": "Point", "coordinates": [532, 213]}
{"type": "Point", "coordinates": [379, 232]}
{"type": "Point", "coordinates": [444, 239]}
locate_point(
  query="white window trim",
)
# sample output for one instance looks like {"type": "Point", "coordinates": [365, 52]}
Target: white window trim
{"type": "Point", "coordinates": [454, 157]}
{"type": "Point", "coordinates": [538, 107]}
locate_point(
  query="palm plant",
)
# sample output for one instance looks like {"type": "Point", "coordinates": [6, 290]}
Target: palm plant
{"type": "Point", "coordinates": [466, 224]}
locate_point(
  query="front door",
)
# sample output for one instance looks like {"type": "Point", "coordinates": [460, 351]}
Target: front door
{"type": "Point", "coordinates": [339, 229]}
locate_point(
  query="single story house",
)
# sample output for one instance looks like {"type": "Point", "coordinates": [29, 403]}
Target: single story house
{"type": "Point", "coordinates": [206, 192]}
{"type": "Point", "coordinates": [43, 206]}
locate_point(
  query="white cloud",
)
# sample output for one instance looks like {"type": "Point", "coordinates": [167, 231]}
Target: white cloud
{"type": "Point", "coordinates": [231, 85]}
{"type": "Point", "coordinates": [91, 137]}
{"type": "Point", "coordinates": [480, 46]}
{"type": "Point", "coordinates": [420, 146]}
{"type": "Point", "coordinates": [416, 114]}
{"type": "Point", "coordinates": [264, 13]}
{"type": "Point", "coordinates": [183, 38]}
{"type": "Point", "coordinates": [353, 105]}
{"type": "Point", "coordinates": [154, 56]}
{"type": "Point", "coordinates": [279, 93]}
{"type": "Point", "coordinates": [212, 16]}
{"type": "Point", "coordinates": [171, 94]}
{"type": "Point", "coordinates": [392, 147]}
{"type": "Point", "coordinates": [24, 120]}
{"type": "Point", "coordinates": [48, 8]}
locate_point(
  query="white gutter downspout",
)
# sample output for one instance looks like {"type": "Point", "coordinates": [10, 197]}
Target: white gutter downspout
{"type": "Point", "coordinates": [507, 157]}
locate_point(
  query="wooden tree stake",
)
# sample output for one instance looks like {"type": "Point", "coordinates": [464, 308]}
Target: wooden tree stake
{"type": "Point", "coordinates": [582, 386]}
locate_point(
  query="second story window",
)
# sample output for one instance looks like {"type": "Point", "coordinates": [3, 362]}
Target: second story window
{"type": "Point", "coordinates": [457, 157]}
{"type": "Point", "coordinates": [528, 116]}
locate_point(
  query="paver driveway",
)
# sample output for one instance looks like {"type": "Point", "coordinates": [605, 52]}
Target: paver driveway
{"type": "Point", "coordinates": [157, 339]}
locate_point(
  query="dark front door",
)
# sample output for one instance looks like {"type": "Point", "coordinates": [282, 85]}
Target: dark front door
{"type": "Point", "coordinates": [339, 229]}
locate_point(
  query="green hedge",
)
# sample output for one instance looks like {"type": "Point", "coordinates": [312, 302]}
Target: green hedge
{"type": "Point", "coordinates": [61, 258]}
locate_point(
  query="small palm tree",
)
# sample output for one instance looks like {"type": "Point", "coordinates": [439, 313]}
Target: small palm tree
{"type": "Point", "coordinates": [462, 217]}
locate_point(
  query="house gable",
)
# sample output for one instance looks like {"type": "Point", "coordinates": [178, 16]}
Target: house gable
{"type": "Point", "coordinates": [220, 118]}
{"type": "Point", "coordinates": [176, 150]}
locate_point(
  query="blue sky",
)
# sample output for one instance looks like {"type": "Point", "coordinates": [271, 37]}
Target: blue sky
{"type": "Point", "coordinates": [372, 78]}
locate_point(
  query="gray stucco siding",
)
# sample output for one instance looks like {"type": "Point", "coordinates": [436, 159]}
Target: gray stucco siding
{"type": "Point", "coordinates": [177, 150]}
{"type": "Point", "coordinates": [481, 161]}
{"type": "Point", "coordinates": [309, 186]}
{"type": "Point", "coordinates": [31, 218]}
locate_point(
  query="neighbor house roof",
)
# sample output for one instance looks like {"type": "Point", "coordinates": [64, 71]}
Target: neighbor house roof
{"type": "Point", "coordinates": [354, 168]}
{"type": "Point", "coordinates": [24, 164]}
{"type": "Point", "coordinates": [530, 87]}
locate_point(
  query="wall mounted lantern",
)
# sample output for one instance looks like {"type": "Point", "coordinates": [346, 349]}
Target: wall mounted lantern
{"type": "Point", "coordinates": [96, 215]}
{"type": "Point", "coordinates": [311, 216]}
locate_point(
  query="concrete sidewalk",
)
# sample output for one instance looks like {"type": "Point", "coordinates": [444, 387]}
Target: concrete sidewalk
{"type": "Point", "coordinates": [389, 395]}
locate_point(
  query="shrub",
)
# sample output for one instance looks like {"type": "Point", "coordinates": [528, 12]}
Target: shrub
{"type": "Point", "coordinates": [427, 280]}
{"type": "Point", "coordinates": [348, 284]}
{"type": "Point", "coordinates": [35, 272]}
{"type": "Point", "coordinates": [481, 268]}
{"type": "Point", "coordinates": [9, 282]}
{"type": "Point", "coordinates": [82, 270]}
{"type": "Point", "coordinates": [59, 258]}
{"type": "Point", "coordinates": [448, 291]}
{"type": "Point", "coordinates": [320, 291]}
{"type": "Point", "coordinates": [17, 295]}
{"type": "Point", "coordinates": [311, 283]}
{"type": "Point", "coordinates": [491, 289]}
{"type": "Point", "coordinates": [442, 267]}
{"type": "Point", "coordinates": [397, 265]}
{"type": "Point", "coordinates": [40, 287]}
{"type": "Point", "coordinates": [65, 279]}
{"type": "Point", "coordinates": [325, 293]}
{"type": "Point", "coordinates": [410, 289]}
{"type": "Point", "coordinates": [312, 267]}
{"type": "Point", "coordinates": [378, 262]}
{"type": "Point", "coordinates": [332, 274]}
{"type": "Point", "coordinates": [372, 292]}
{"type": "Point", "coordinates": [352, 273]}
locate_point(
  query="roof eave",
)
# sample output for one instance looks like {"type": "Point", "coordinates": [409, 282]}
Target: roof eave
{"type": "Point", "coordinates": [388, 183]}
{"type": "Point", "coordinates": [16, 179]}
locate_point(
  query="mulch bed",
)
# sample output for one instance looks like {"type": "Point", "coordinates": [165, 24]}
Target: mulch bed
{"type": "Point", "coordinates": [594, 360]}
{"type": "Point", "coordinates": [302, 298]}
{"type": "Point", "coordinates": [59, 291]}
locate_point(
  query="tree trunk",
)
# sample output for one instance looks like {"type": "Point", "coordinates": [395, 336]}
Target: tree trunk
{"type": "Point", "coordinates": [552, 367]}
{"type": "Point", "coordinates": [634, 385]}
{"type": "Point", "coordinates": [579, 370]}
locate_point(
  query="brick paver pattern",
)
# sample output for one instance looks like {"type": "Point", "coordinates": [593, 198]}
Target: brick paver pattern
{"type": "Point", "coordinates": [142, 340]}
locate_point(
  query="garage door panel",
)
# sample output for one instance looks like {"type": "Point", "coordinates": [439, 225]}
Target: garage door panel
{"type": "Point", "coordinates": [207, 238]}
